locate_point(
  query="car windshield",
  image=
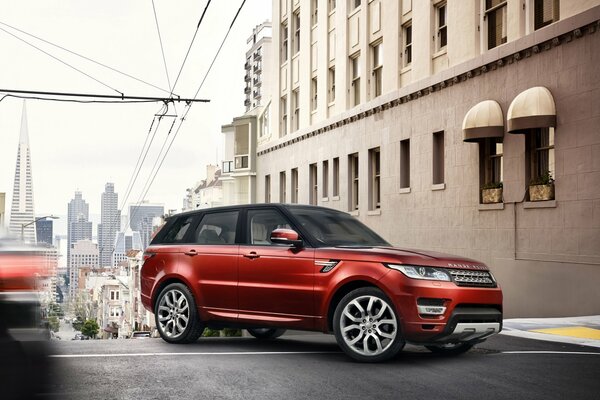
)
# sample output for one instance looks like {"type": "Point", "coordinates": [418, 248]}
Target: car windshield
{"type": "Point", "coordinates": [335, 228]}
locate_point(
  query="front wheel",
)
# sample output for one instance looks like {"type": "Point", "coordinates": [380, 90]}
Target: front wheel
{"type": "Point", "coordinates": [266, 333]}
{"type": "Point", "coordinates": [176, 315]}
{"type": "Point", "coordinates": [366, 326]}
{"type": "Point", "coordinates": [450, 349]}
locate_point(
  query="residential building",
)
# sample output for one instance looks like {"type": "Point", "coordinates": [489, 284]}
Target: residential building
{"type": "Point", "coordinates": [44, 231]}
{"type": "Point", "coordinates": [125, 242]}
{"type": "Point", "coordinates": [142, 219]}
{"type": "Point", "coordinates": [238, 172]}
{"type": "Point", "coordinates": [22, 208]}
{"type": "Point", "coordinates": [421, 105]}
{"type": "Point", "coordinates": [136, 315]}
{"type": "Point", "coordinates": [83, 254]}
{"type": "Point", "coordinates": [206, 193]}
{"type": "Point", "coordinates": [110, 223]}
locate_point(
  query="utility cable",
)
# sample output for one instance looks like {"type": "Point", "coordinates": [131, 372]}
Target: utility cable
{"type": "Point", "coordinates": [85, 58]}
{"type": "Point", "coordinates": [162, 50]}
{"type": "Point", "coordinates": [59, 60]}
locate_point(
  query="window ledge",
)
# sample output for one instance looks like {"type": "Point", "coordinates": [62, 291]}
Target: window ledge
{"type": "Point", "coordinates": [540, 204]}
{"type": "Point", "coordinates": [374, 212]}
{"type": "Point", "coordinates": [440, 53]}
{"type": "Point", "coordinates": [331, 104]}
{"type": "Point", "coordinates": [493, 206]}
{"type": "Point", "coordinates": [335, 198]}
{"type": "Point", "coordinates": [438, 186]}
{"type": "Point", "coordinates": [324, 198]}
{"type": "Point", "coordinates": [406, 69]}
{"type": "Point", "coordinates": [355, 11]}
{"type": "Point", "coordinates": [354, 213]}
{"type": "Point", "coordinates": [404, 190]}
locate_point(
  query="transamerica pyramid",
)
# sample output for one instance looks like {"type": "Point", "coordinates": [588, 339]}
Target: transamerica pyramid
{"type": "Point", "coordinates": [21, 211]}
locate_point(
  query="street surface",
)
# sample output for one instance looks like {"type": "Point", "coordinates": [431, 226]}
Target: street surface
{"type": "Point", "coordinates": [311, 366]}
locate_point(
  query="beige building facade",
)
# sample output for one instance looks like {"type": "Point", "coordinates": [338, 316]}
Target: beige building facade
{"type": "Point", "coordinates": [402, 112]}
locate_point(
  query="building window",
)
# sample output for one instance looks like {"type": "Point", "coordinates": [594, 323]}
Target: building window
{"type": "Point", "coordinates": [374, 178]}
{"type": "Point", "coordinates": [405, 163]}
{"type": "Point", "coordinates": [314, 188]}
{"type": "Point", "coordinates": [313, 94]}
{"type": "Point", "coordinates": [264, 123]}
{"type": "Point", "coordinates": [353, 182]}
{"type": "Point", "coordinates": [325, 184]}
{"type": "Point", "coordinates": [490, 162]}
{"type": "Point", "coordinates": [441, 28]}
{"type": "Point", "coordinates": [377, 56]}
{"type": "Point", "coordinates": [495, 13]}
{"type": "Point", "coordinates": [354, 4]}
{"type": "Point", "coordinates": [331, 88]}
{"type": "Point", "coordinates": [314, 15]}
{"type": "Point", "coordinates": [295, 185]}
{"type": "Point", "coordinates": [407, 30]}
{"type": "Point", "coordinates": [438, 157]}
{"type": "Point", "coordinates": [282, 187]}
{"type": "Point", "coordinates": [545, 12]}
{"type": "Point", "coordinates": [284, 116]}
{"type": "Point", "coordinates": [332, 5]}
{"type": "Point", "coordinates": [355, 64]}
{"type": "Point", "coordinates": [336, 177]}
{"type": "Point", "coordinates": [540, 152]}
{"type": "Point", "coordinates": [114, 295]}
{"type": "Point", "coordinates": [267, 188]}
{"type": "Point", "coordinates": [284, 42]}
{"type": "Point", "coordinates": [296, 105]}
{"type": "Point", "coordinates": [296, 44]}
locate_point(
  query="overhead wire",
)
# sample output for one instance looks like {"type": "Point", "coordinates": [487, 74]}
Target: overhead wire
{"type": "Point", "coordinates": [162, 50]}
{"type": "Point", "coordinates": [86, 58]}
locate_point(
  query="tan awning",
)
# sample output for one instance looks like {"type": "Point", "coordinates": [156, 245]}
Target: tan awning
{"type": "Point", "coordinates": [533, 108]}
{"type": "Point", "coordinates": [483, 121]}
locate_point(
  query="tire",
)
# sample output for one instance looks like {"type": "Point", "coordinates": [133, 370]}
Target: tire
{"type": "Point", "coordinates": [450, 349]}
{"type": "Point", "coordinates": [367, 326]}
{"type": "Point", "coordinates": [174, 305]}
{"type": "Point", "coordinates": [266, 333]}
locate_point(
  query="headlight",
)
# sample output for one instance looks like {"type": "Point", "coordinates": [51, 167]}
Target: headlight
{"type": "Point", "coordinates": [418, 272]}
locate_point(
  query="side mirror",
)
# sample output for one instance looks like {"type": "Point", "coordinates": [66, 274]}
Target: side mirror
{"type": "Point", "coordinates": [286, 236]}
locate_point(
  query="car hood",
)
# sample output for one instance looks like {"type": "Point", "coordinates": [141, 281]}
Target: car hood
{"type": "Point", "coordinates": [392, 255]}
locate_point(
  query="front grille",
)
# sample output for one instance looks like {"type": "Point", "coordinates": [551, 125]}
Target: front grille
{"type": "Point", "coordinates": [472, 278]}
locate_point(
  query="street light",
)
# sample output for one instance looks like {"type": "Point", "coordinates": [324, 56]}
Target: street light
{"type": "Point", "coordinates": [33, 222]}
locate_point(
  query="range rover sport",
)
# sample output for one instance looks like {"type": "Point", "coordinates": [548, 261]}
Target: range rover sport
{"type": "Point", "coordinates": [271, 267]}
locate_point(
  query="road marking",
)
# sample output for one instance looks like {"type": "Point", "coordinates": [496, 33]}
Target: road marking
{"type": "Point", "coordinates": [575, 331]}
{"type": "Point", "coordinates": [227, 353]}
{"type": "Point", "coordinates": [586, 353]}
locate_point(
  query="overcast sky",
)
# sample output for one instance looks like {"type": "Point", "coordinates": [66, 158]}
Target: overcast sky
{"type": "Point", "coordinates": [83, 146]}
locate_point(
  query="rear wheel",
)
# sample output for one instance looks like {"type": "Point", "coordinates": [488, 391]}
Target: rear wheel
{"type": "Point", "coordinates": [176, 315]}
{"type": "Point", "coordinates": [450, 349]}
{"type": "Point", "coordinates": [366, 326]}
{"type": "Point", "coordinates": [266, 333]}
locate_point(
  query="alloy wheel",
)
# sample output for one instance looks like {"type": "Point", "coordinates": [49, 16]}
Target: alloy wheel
{"type": "Point", "coordinates": [173, 313]}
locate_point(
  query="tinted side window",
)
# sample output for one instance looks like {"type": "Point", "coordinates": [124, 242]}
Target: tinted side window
{"type": "Point", "coordinates": [262, 222]}
{"type": "Point", "coordinates": [177, 231]}
{"type": "Point", "coordinates": [217, 228]}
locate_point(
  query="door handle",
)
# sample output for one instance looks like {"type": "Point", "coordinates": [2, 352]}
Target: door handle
{"type": "Point", "coordinates": [252, 255]}
{"type": "Point", "coordinates": [191, 253]}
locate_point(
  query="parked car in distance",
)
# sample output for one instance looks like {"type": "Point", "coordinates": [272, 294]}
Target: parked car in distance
{"type": "Point", "coordinates": [271, 267]}
{"type": "Point", "coordinates": [141, 335]}
{"type": "Point", "coordinates": [80, 336]}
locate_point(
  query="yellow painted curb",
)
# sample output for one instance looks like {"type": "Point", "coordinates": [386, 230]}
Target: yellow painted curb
{"type": "Point", "coordinates": [573, 331]}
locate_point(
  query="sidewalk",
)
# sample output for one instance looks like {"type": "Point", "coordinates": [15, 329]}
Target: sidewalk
{"type": "Point", "coordinates": [574, 330]}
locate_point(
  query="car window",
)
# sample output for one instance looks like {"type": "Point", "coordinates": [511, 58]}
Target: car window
{"type": "Point", "coordinates": [217, 228]}
{"type": "Point", "coordinates": [262, 222]}
{"type": "Point", "coordinates": [177, 231]}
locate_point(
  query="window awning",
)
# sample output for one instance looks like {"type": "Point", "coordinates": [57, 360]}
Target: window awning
{"type": "Point", "coordinates": [533, 108]}
{"type": "Point", "coordinates": [484, 120]}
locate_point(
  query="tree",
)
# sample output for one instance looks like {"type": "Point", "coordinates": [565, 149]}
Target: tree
{"type": "Point", "coordinates": [90, 328]}
{"type": "Point", "coordinates": [77, 324]}
{"type": "Point", "coordinates": [53, 323]}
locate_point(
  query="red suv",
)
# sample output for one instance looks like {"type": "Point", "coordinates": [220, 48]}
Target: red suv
{"type": "Point", "coordinates": [271, 267]}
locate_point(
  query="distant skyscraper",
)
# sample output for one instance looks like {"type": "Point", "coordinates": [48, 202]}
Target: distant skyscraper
{"type": "Point", "coordinates": [79, 228]}
{"type": "Point", "coordinates": [141, 219]}
{"type": "Point", "coordinates": [110, 223]}
{"type": "Point", "coordinates": [124, 242]}
{"type": "Point", "coordinates": [83, 254]}
{"type": "Point", "coordinates": [21, 211]}
{"type": "Point", "coordinates": [44, 231]}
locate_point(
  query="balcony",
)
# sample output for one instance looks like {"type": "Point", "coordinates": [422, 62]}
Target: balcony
{"type": "Point", "coordinates": [256, 82]}
{"type": "Point", "coordinates": [241, 161]}
{"type": "Point", "coordinates": [247, 89]}
{"type": "Point", "coordinates": [247, 65]}
{"type": "Point", "coordinates": [247, 102]}
{"type": "Point", "coordinates": [227, 167]}
{"type": "Point", "coordinates": [257, 68]}
{"type": "Point", "coordinates": [257, 94]}
{"type": "Point", "coordinates": [257, 56]}
{"type": "Point", "coordinates": [247, 78]}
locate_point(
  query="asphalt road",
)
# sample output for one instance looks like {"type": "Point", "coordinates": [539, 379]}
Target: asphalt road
{"type": "Point", "coordinates": [312, 367]}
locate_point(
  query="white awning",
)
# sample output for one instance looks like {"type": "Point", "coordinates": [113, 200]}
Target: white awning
{"type": "Point", "coordinates": [484, 120]}
{"type": "Point", "coordinates": [533, 108]}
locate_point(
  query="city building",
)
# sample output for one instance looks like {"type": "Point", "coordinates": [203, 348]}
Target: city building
{"type": "Point", "coordinates": [22, 208]}
{"type": "Point", "coordinates": [48, 281]}
{"type": "Point", "coordinates": [403, 112]}
{"type": "Point", "coordinates": [206, 193]}
{"type": "Point", "coordinates": [84, 254]}
{"type": "Point", "coordinates": [125, 242]}
{"type": "Point", "coordinates": [78, 225]}
{"type": "Point", "coordinates": [2, 210]}
{"type": "Point", "coordinates": [238, 173]}
{"type": "Point", "coordinates": [44, 231]}
{"type": "Point", "coordinates": [142, 218]}
{"type": "Point", "coordinates": [110, 220]}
